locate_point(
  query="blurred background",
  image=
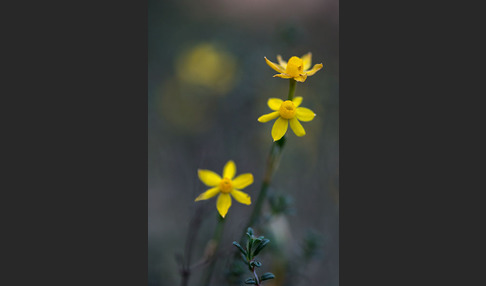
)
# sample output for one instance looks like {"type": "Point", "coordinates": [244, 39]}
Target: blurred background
{"type": "Point", "coordinates": [208, 83]}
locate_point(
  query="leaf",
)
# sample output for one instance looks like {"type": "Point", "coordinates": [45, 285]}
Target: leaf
{"type": "Point", "coordinates": [261, 246]}
{"type": "Point", "coordinates": [250, 281]}
{"type": "Point", "coordinates": [239, 247]}
{"type": "Point", "coordinates": [267, 276]}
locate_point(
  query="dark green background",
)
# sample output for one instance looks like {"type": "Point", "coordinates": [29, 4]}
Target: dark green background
{"type": "Point", "coordinates": [203, 122]}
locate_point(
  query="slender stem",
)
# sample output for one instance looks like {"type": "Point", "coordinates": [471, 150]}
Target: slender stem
{"type": "Point", "coordinates": [292, 83]}
{"type": "Point", "coordinates": [191, 236]}
{"type": "Point", "coordinates": [272, 159]}
{"type": "Point", "coordinates": [274, 155]}
{"type": "Point", "coordinates": [218, 234]}
{"type": "Point", "coordinates": [256, 277]}
{"type": "Point", "coordinates": [272, 162]}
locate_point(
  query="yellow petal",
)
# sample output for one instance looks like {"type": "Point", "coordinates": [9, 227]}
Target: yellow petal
{"type": "Point", "coordinates": [241, 197]}
{"type": "Point", "coordinates": [282, 75]}
{"type": "Point", "coordinates": [223, 204]}
{"type": "Point", "coordinates": [208, 194]}
{"type": "Point", "coordinates": [229, 170]}
{"type": "Point", "coordinates": [209, 178]}
{"type": "Point", "coordinates": [281, 62]}
{"type": "Point", "coordinates": [279, 128]}
{"type": "Point", "coordinates": [297, 101]}
{"type": "Point", "coordinates": [304, 114]}
{"type": "Point", "coordinates": [275, 66]}
{"type": "Point", "coordinates": [243, 180]}
{"type": "Point", "coordinates": [301, 78]}
{"type": "Point", "coordinates": [315, 69]}
{"type": "Point", "coordinates": [268, 117]}
{"type": "Point", "coordinates": [297, 127]}
{"type": "Point", "coordinates": [307, 58]}
{"type": "Point", "coordinates": [274, 103]}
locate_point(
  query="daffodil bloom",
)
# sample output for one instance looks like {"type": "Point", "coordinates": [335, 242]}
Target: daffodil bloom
{"type": "Point", "coordinates": [296, 68]}
{"type": "Point", "coordinates": [224, 186]}
{"type": "Point", "coordinates": [288, 112]}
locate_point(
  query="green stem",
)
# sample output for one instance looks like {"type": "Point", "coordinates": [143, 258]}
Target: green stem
{"type": "Point", "coordinates": [273, 157]}
{"type": "Point", "coordinates": [256, 276]}
{"type": "Point", "coordinates": [218, 234]}
{"type": "Point", "coordinates": [292, 84]}
{"type": "Point", "coordinates": [272, 162]}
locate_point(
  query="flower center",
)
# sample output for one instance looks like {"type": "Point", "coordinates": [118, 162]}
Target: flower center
{"type": "Point", "coordinates": [225, 185]}
{"type": "Point", "coordinates": [295, 67]}
{"type": "Point", "coordinates": [287, 109]}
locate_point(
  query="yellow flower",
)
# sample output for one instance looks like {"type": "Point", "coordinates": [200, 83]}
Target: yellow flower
{"type": "Point", "coordinates": [287, 112]}
{"type": "Point", "coordinates": [225, 186]}
{"type": "Point", "coordinates": [296, 68]}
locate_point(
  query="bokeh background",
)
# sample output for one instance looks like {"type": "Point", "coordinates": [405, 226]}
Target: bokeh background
{"type": "Point", "coordinates": [208, 83]}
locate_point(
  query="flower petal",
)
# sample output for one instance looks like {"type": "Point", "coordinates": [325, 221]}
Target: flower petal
{"type": "Point", "coordinates": [297, 101]}
{"type": "Point", "coordinates": [268, 117]}
{"type": "Point", "coordinates": [304, 114]}
{"type": "Point", "coordinates": [279, 128]}
{"type": "Point", "coordinates": [274, 103]}
{"type": "Point", "coordinates": [208, 194]}
{"type": "Point", "coordinates": [297, 127]}
{"type": "Point", "coordinates": [281, 62]}
{"type": "Point", "coordinates": [315, 69]}
{"type": "Point", "coordinates": [275, 66]}
{"type": "Point", "coordinates": [301, 78]}
{"type": "Point", "coordinates": [241, 197]}
{"type": "Point", "coordinates": [282, 75]}
{"type": "Point", "coordinates": [307, 58]}
{"type": "Point", "coordinates": [209, 178]}
{"type": "Point", "coordinates": [223, 204]}
{"type": "Point", "coordinates": [229, 170]}
{"type": "Point", "coordinates": [243, 181]}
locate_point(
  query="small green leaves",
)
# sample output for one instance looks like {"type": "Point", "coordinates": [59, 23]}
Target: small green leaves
{"type": "Point", "coordinates": [260, 246]}
{"type": "Point", "coordinates": [240, 248]}
{"type": "Point", "coordinates": [311, 245]}
{"type": "Point", "coordinates": [281, 204]}
{"type": "Point", "coordinates": [267, 276]}
{"type": "Point", "coordinates": [253, 247]}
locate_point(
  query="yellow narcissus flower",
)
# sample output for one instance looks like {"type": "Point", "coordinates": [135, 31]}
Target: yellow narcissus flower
{"type": "Point", "coordinates": [296, 68]}
{"type": "Point", "coordinates": [225, 186]}
{"type": "Point", "coordinates": [288, 112]}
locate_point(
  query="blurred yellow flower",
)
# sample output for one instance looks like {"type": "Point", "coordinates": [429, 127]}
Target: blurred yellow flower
{"type": "Point", "coordinates": [296, 68]}
{"type": "Point", "coordinates": [288, 112]}
{"type": "Point", "coordinates": [225, 186]}
{"type": "Point", "coordinates": [209, 66]}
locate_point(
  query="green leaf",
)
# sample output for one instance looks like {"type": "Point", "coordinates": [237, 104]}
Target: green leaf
{"type": "Point", "coordinates": [249, 232]}
{"type": "Point", "coordinates": [248, 249]}
{"type": "Point", "coordinates": [261, 246]}
{"type": "Point", "coordinates": [239, 247]}
{"type": "Point", "coordinates": [267, 276]}
{"type": "Point", "coordinates": [250, 281]}
{"type": "Point", "coordinates": [254, 246]}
